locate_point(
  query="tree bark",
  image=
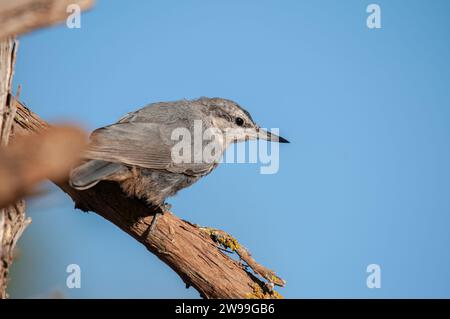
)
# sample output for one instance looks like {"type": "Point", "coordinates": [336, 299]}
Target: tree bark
{"type": "Point", "coordinates": [12, 218]}
{"type": "Point", "coordinates": [187, 248]}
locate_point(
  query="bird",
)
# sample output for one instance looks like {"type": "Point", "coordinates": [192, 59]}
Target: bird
{"type": "Point", "coordinates": [137, 151]}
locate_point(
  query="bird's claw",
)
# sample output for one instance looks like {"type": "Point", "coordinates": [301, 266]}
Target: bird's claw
{"type": "Point", "coordinates": [161, 210]}
{"type": "Point", "coordinates": [166, 207]}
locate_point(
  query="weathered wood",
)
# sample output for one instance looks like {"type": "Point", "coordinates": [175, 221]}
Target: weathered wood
{"type": "Point", "coordinates": [188, 249]}
{"type": "Point", "coordinates": [20, 16]}
{"type": "Point", "coordinates": [12, 219]}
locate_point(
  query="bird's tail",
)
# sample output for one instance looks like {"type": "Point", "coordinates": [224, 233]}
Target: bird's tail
{"type": "Point", "coordinates": [90, 173]}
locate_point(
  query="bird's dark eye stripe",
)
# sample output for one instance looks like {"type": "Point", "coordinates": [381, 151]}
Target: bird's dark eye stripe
{"type": "Point", "coordinates": [239, 121]}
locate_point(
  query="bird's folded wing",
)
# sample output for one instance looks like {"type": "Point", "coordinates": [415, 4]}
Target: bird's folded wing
{"type": "Point", "coordinates": [146, 145]}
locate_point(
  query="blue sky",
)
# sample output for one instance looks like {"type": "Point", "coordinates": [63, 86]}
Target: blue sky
{"type": "Point", "coordinates": [366, 178]}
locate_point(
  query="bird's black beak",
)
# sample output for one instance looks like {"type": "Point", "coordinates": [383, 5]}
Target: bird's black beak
{"type": "Point", "coordinates": [268, 136]}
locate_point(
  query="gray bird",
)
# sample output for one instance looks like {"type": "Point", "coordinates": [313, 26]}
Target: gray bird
{"type": "Point", "coordinates": [137, 153]}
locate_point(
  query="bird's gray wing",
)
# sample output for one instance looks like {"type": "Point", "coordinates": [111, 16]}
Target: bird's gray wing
{"type": "Point", "coordinates": [146, 145]}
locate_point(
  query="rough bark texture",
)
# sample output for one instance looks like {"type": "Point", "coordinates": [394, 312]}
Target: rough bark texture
{"type": "Point", "coordinates": [188, 249]}
{"type": "Point", "coordinates": [12, 218]}
{"type": "Point", "coordinates": [20, 16]}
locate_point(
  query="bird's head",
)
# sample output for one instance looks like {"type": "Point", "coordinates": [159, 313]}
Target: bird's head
{"type": "Point", "coordinates": [236, 122]}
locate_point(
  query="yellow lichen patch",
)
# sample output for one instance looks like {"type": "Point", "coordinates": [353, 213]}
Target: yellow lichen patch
{"type": "Point", "coordinates": [260, 293]}
{"type": "Point", "coordinates": [276, 280]}
{"type": "Point", "coordinates": [229, 242]}
{"type": "Point", "coordinates": [222, 238]}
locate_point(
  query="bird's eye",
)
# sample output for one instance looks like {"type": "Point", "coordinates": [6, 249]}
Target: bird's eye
{"type": "Point", "coordinates": [239, 121]}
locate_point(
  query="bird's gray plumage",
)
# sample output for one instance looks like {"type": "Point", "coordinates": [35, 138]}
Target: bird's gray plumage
{"type": "Point", "coordinates": [90, 173]}
{"type": "Point", "coordinates": [136, 151]}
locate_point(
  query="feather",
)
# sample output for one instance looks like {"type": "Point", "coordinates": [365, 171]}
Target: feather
{"type": "Point", "coordinates": [90, 173]}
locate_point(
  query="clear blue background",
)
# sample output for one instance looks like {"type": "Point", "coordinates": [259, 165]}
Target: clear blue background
{"type": "Point", "coordinates": [365, 180]}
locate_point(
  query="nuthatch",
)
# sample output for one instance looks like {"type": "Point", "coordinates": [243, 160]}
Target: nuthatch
{"type": "Point", "coordinates": [137, 151]}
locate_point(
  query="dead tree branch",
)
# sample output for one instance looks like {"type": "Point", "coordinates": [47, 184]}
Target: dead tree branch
{"type": "Point", "coordinates": [12, 218]}
{"type": "Point", "coordinates": [20, 16]}
{"type": "Point", "coordinates": [187, 248]}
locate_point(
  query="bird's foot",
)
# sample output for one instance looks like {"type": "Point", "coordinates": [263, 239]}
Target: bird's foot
{"type": "Point", "coordinates": [161, 209]}
{"type": "Point", "coordinates": [166, 207]}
